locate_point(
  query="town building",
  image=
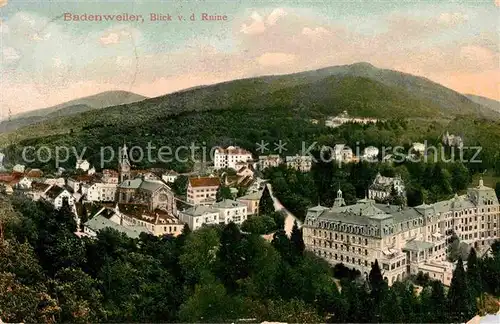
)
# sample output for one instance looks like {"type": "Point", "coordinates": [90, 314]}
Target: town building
{"type": "Point", "coordinates": [55, 195]}
{"type": "Point", "coordinates": [404, 240]}
{"type": "Point", "coordinates": [231, 211]}
{"type": "Point", "coordinates": [110, 176]}
{"type": "Point", "coordinates": [124, 165]}
{"type": "Point", "coordinates": [245, 171]}
{"type": "Point", "coordinates": [370, 153]}
{"type": "Point", "coordinates": [418, 148]}
{"type": "Point", "coordinates": [19, 168]}
{"type": "Point", "coordinates": [202, 190]}
{"type": "Point", "coordinates": [251, 200]}
{"type": "Point", "coordinates": [37, 189]}
{"type": "Point", "coordinates": [382, 187]}
{"type": "Point", "coordinates": [199, 215]}
{"type": "Point", "coordinates": [227, 158]}
{"type": "Point", "coordinates": [153, 194]}
{"type": "Point", "coordinates": [103, 219]}
{"type": "Point", "coordinates": [105, 192]}
{"type": "Point", "coordinates": [342, 153]}
{"type": "Point", "coordinates": [82, 165]}
{"type": "Point", "coordinates": [170, 176]}
{"type": "Point", "coordinates": [269, 161]}
{"type": "Point", "coordinates": [453, 140]}
{"type": "Point", "coordinates": [301, 163]}
{"type": "Point", "coordinates": [344, 118]}
{"type": "Point", "coordinates": [157, 221]}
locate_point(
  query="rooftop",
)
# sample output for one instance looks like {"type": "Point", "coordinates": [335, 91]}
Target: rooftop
{"type": "Point", "coordinates": [204, 182]}
{"type": "Point", "coordinates": [200, 210]}
{"type": "Point", "coordinates": [228, 203]}
{"type": "Point", "coordinates": [99, 222]}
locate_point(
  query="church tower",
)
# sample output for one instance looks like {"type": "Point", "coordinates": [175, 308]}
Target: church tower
{"type": "Point", "coordinates": [124, 164]}
{"type": "Point", "coordinates": [339, 201]}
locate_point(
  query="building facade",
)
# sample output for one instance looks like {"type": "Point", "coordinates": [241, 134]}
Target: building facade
{"type": "Point", "coordinates": [231, 211]}
{"type": "Point", "coordinates": [229, 157]}
{"type": "Point", "coordinates": [197, 216]}
{"type": "Point", "coordinates": [383, 187]}
{"type": "Point", "coordinates": [404, 240]}
{"type": "Point", "coordinates": [269, 161]}
{"type": "Point", "coordinates": [302, 163]}
{"type": "Point", "coordinates": [202, 190]}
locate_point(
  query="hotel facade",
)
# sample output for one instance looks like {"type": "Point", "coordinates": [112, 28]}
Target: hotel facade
{"type": "Point", "coordinates": [404, 240]}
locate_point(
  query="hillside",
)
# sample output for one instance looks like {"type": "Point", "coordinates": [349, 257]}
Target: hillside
{"type": "Point", "coordinates": [270, 108]}
{"type": "Point", "coordinates": [73, 107]}
{"type": "Point", "coordinates": [486, 102]}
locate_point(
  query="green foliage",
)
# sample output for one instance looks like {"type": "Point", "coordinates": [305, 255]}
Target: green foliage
{"type": "Point", "coordinates": [223, 192]}
{"type": "Point", "coordinates": [213, 274]}
{"type": "Point", "coordinates": [266, 203]}
{"type": "Point", "coordinates": [259, 225]}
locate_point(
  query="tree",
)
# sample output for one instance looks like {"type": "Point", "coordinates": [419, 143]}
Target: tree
{"type": "Point", "coordinates": [180, 185]}
{"type": "Point", "coordinates": [266, 203]}
{"type": "Point", "coordinates": [78, 296]}
{"type": "Point", "coordinates": [231, 267]}
{"type": "Point", "coordinates": [223, 192]}
{"type": "Point", "coordinates": [282, 244]}
{"type": "Point", "coordinates": [297, 240]}
{"type": "Point", "coordinates": [210, 303]}
{"type": "Point", "coordinates": [279, 219]}
{"type": "Point", "coordinates": [497, 189]}
{"type": "Point", "coordinates": [474, 274]}
{"type": "Point", "coordinates": [460, 300]}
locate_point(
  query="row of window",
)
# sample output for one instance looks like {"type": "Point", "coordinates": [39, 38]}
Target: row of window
{"type": "Point", "coordinates": [341, 258]}
{"type": "Point", "coordinates": [330, 235]}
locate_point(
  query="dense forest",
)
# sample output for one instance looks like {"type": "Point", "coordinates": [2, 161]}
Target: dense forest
{"type": "Point", "coordinates": [214, 274]}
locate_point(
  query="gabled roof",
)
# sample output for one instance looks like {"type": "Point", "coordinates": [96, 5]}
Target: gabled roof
{"type": "Point", "coordinates": [100, 222]}
{"type": "Point", "coordinates": [34, 173]}
{"type": "Point", "coordinates": [200, 210]}
{"type": "Point", "coordinates": [39, 186]}
{"type": "Point", "coordinates": [204, 182]}
{"type": "Point", "coordinates": [253, 196]}
{"type": "Point", "coordinates": [54, 192]}
{"type": "Point", "coordinates": [152, 185]}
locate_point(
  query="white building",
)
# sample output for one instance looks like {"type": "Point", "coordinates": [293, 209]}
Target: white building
{"type": "Point", "coordinates": [418, 148]}
{"type": "Point", "coordinates": [342, 153]}
{"type": "Point", "coordinates": [344, 118]}
{"type": "Point", "coordinates": [227, 158]}
{"type": "Point", "coordinates": [299, 162]}
{"type": "Point", "coordinates": [231, 211]}
{"type": "Point", "coordinates": [370, 153]}
{"type": "Point", "coordinates": [55, 181]}
{"type": "Point", "coordinates": [199, 215]}
{"type": "Point", "coordinates": [100, 191]}
{"type": "Point", "coordinates": [453, 140]}
{"type": "Point", "coordinates": [269, 161]}
{"type": "Point", "coordinates": [245, 171]}
{"type": "Point", "coordinates": [169, 176]}
{"type": "Point", "coordinates": [404, 240]}
{"type": "Point", "coordinates": [381, 188]}
{"type": "Point", "coordinates": [110, 176]}
{"type": "Point", "coordinates": [56, 195]}
{"type": "Point", "coordinates": [82, 165]}
{"type": "Point", "coordinates": [19, 168]}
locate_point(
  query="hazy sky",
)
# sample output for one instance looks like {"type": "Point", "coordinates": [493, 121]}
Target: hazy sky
{"type": "Point", "coordinates": [46, 60]}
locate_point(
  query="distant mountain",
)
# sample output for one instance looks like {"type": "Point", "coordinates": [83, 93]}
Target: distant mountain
{"type": "Point", "coordinates": [486, 102]}
{"type": "Point", "coordinates": [73, 107]}
{"type": "Point", "coordinates": [361, 89]}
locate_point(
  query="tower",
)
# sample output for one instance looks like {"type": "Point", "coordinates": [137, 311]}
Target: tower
{"type": "Point", "coordinates": [124, 164]}
{"type": "Point", "coordinates": [339, 201]}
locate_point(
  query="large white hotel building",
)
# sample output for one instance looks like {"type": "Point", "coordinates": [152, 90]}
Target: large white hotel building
{"type": "Point", "coordinates": [404, 240]}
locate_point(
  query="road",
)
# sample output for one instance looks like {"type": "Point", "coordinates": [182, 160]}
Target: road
{"type": "Point", "coordinates": [290, 218]}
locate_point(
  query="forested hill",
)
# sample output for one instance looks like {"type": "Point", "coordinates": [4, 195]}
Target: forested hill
{"type": "Point", "coordinates": [361, 89]}
{"type": "Point", "coordinates": [73, 107]}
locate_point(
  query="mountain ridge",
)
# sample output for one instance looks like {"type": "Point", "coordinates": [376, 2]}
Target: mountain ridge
{"type": "Point", "coordinates": [72, 107]}
{"type": "Point", "coordinates": [360, 88]}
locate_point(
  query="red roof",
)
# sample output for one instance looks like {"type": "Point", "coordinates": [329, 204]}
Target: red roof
{"type": "Point", "coordinates": [34, 173]}
{"type": "Point", "coordinates": [204, 182]}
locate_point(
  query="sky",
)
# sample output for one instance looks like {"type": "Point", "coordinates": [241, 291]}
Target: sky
{"type": "Point", "coordinates": [46, 58]}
